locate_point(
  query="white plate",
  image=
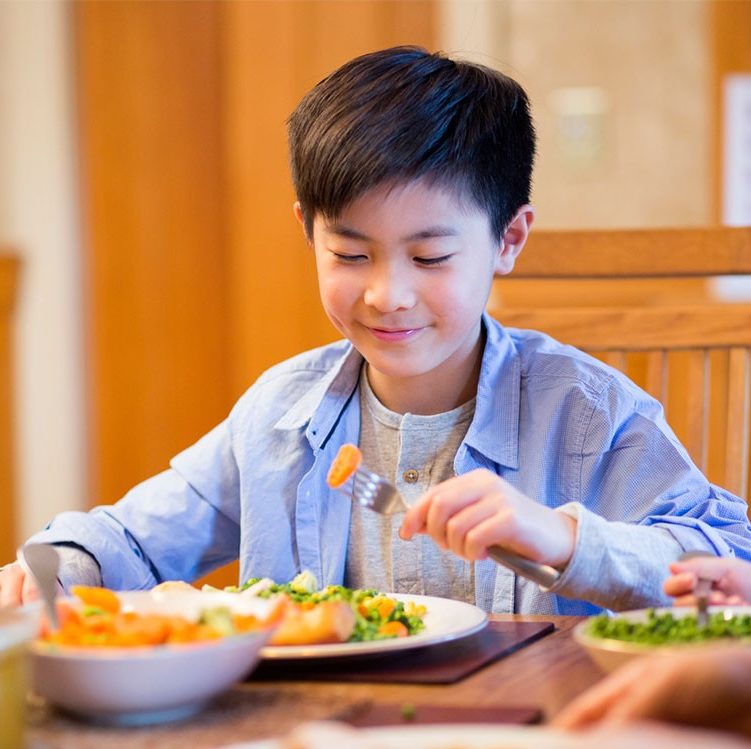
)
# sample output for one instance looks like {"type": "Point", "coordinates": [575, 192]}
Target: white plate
{"type": "Point", "coordinates": [474, 736]}
{"type": "Point", "coordinates": [445, 620]}
{"type": "Point", "coordinates": [470, 736]}
{"type": "Point", "coordinates": [609, 653]}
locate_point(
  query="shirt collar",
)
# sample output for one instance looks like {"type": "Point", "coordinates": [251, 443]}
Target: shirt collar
{"type": "Point", "coordinates": [494, 431]}
{"type": "Point", "coordinates": [322, 405]}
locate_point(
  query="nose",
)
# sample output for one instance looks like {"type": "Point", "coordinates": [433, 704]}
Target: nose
{"type": "Point", "coordinates": [390, 289]}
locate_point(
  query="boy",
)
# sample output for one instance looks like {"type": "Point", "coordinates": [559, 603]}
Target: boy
{"type": "Point", "coordinates": [412, 174]}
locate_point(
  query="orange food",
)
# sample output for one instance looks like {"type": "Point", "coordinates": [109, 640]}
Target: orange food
{"type": "Point", "coordinates": [326, 622]}
{"type": "Point", "coordinates": [346, 462]}
{"type": "Point", "coordinates": [385, 607]}
{"type": "Point", "coordinates": [105, 625]}
{"type": "Point", "coordinates": [101, 598]}
{"type": "Point", "coordinates": [397, 629]}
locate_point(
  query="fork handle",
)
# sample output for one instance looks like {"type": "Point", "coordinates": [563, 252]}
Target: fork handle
{"type": "Point", "coordinates": [542, 574]}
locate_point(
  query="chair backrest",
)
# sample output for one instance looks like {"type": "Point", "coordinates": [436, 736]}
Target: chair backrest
{"type": "Point", "coordinates": [694, 356]}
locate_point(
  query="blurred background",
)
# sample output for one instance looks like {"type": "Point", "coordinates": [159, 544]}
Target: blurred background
{"type": "Point", "coordinates": [151, 266]}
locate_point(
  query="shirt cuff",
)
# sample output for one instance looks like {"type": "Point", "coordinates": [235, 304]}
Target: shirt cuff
{"type": "Point", "coordinates": [616, 565]}
{"type": "Point", "coordinates": [77, 567]}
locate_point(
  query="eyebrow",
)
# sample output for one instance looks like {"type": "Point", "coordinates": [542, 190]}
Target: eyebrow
{"type": "Point", "coordinates": [429, 232]}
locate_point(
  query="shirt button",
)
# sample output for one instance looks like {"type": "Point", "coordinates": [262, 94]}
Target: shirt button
{"type": "Point", "coordinates": [411, 476]}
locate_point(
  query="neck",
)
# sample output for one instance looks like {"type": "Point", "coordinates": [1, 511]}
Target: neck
{"type": "Point", "coordinates": [432, 392]}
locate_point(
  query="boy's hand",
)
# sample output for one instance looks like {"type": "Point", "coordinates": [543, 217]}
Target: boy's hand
{"type": "Point", "coordinates": [469, 513]}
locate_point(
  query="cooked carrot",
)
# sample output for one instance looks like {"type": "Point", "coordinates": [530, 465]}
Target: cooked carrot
{"type": "Point", "coordinates": [102, 598]}
{"type": "Point", "coordinates": [346, 462]}
{"type": "Point", "coordinates": [394, 628]}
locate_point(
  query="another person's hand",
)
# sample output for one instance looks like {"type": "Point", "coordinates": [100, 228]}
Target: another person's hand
{"type": "Point", "coordinates": [16, 587]}
{"type": "Point", "coordinates": [469, 513]}
{"type": "Point", "coordinates": [707, 686]}
{"type": "Point", "coordinates": [731, 580]}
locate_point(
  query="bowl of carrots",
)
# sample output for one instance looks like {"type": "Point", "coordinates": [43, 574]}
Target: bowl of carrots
{"type": "Point", "coordinates": [144, 657]}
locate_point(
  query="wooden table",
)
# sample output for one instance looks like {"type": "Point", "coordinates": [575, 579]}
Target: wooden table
{"type": "Point", "coordinates": [546, 674]}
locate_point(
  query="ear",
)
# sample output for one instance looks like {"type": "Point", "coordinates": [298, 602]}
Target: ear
{"type": "Point", "coordinates": [297, 209]}
{"type": "Point", "coordinates": [513, 240]}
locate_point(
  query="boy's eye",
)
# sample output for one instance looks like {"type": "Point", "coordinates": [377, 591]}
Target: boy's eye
{"type": "Point", "coordinates": [433, 260]}
{"type": "Point", "coordinates": [347, 258]}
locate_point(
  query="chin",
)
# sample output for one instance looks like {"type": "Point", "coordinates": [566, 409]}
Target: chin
{"type": "Point", "coordinates": [398, 368]}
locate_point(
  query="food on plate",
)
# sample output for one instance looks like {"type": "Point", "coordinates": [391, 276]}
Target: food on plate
{"type": "Point", "coordinates": [334, 613]}
{"type": "Point", "coordinates": [324, 623]}
{"type": "Point", "coordinates": [321, 735]}
{"type": "Point", "coordinates": [666, 629]}
{"type": "Point", "coordinates": [344, 465]}
{"type": "Point", "coordinates": [175, 586]}
{"type": "Point", "coordinates": [96, 619]}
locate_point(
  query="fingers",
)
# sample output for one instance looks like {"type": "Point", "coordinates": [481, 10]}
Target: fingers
{"type": "Point", "coordinates": [708, 568]}
{"type": "Point", "coordinates": [464, 514]}
{"type": "Point", "coordinates": [731, 579]}
{"type": "Point", "coordinates": [29, 590]}
{"type": "Point", "coordinates": [600, 701]}
{"type": "Point", "coordinates": [469, 513]}
{"type": "Point", "coordinates": [680, 583]}
{"type": "Point", "coordinates": [432, 511]}
{"type": "Point", "coordinates": [12, 579]}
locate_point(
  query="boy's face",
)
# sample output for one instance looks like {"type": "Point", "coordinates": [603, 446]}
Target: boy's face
{"type": "Point", "coordinates": [405, 273]}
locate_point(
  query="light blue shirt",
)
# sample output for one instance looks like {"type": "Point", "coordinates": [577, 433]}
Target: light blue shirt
{"type": "Point", "coordinates": [561, 427]}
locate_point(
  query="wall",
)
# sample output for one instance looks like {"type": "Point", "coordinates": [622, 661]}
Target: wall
{"type": "Point", "coordinates": [38, 217]}
{"type": "Point", "coordinates": [636, 150]}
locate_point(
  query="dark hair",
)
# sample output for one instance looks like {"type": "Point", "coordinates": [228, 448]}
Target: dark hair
{"type": "Point", "coordinates": [404, 113]}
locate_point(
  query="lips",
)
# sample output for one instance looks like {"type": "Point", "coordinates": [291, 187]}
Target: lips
{"type": "Point", "coordinates": [394, 334]}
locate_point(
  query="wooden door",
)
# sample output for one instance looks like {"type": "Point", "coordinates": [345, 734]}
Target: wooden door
{"type": "Point", "coordinates": [198, 277]}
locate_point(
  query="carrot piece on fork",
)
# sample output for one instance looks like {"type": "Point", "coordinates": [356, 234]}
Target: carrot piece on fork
{"type": "Point", "coordinates": [346, 462]}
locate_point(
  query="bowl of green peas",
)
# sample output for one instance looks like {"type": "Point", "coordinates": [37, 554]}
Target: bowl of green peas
{"type": "Point", "coordinates": [612, 640]}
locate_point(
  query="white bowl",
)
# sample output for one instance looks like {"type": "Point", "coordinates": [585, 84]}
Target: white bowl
{"type": "Point", "coordinates": [610, 654]}
{"type": "Point", "coordinates": [136, 686]}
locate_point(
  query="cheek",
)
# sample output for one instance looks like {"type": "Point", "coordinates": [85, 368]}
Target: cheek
{"type": "Point", "coordinates": [457, 297]}
{"type": "Point", "coordinates": [336, 295]}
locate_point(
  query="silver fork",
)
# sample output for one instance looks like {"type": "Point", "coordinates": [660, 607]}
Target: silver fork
{"type": "Point", "coordinates": [374, 492]}
{"type": "Point", "coordinates": [702, 590]}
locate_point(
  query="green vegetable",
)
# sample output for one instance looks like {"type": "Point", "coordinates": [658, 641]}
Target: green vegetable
{"type": "Point", "coordinates": [665, 629]}
{"type": "Point", "coordinates": [368, 618]}
{"type": "Point", "coordinates": [219, 619]}
{"type": "Point", "coordinates": [408, 711]}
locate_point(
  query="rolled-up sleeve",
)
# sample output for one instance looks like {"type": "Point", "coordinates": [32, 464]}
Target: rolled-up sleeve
{"type": "Point", "coordinates": [641, 502]}
{"type": "Point", "coordinates": [179, 524]}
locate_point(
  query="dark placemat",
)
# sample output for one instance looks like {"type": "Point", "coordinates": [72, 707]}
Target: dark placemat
{"type": "Point", "coordinates": [443, 663]}
{"type": "Point", "coordinates": [382, 714]}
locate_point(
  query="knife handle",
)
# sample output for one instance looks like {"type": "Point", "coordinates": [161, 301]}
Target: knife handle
{"type": "Point", "coordinates": [542, 574]}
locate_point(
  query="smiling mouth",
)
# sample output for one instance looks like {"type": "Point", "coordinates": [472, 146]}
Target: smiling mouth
{"type": "Point", "coordinates": [393, 334]}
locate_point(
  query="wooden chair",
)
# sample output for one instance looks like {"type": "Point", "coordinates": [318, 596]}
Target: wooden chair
{"type": "Point", "coordinates": [693, 354]}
